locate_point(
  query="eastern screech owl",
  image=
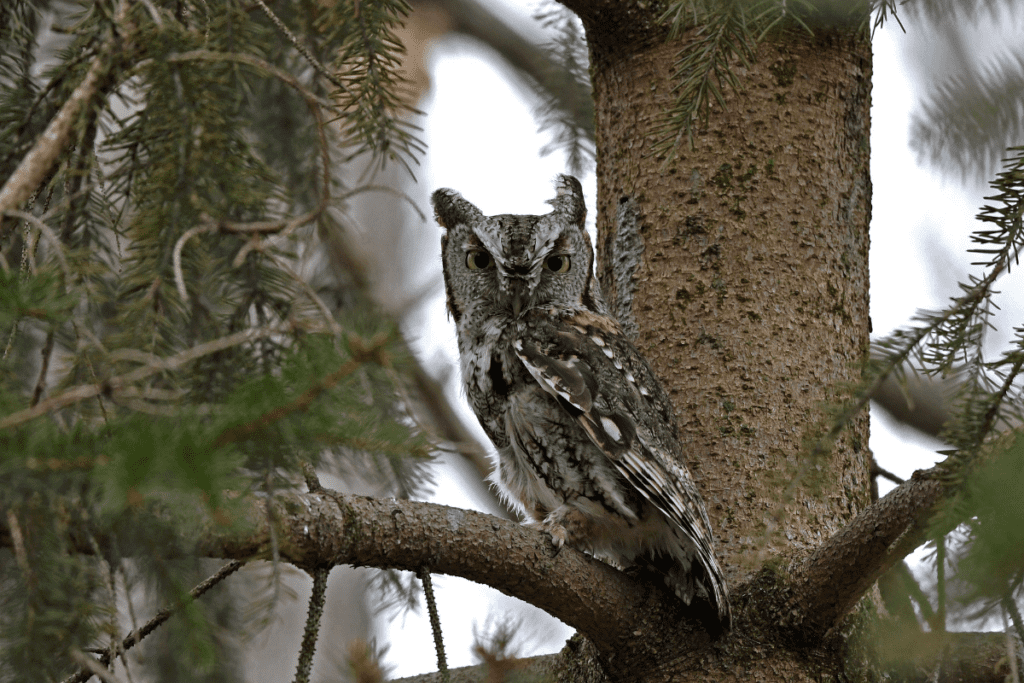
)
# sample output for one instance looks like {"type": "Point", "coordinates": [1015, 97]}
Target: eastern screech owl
{"type": "Point", "coordinates": [586, 438]}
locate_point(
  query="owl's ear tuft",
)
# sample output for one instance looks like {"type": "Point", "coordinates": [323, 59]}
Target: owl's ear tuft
{"type": "Point", "coordinates": [450, 209]}
{"type": "Point", "coordinates": [569, 200]}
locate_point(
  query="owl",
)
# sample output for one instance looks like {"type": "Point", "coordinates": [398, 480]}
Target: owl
{"type": "Point", "coordinates": [586, 439]}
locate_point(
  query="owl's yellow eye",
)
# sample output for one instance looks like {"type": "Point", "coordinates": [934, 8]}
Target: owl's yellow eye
{"type": "Point", "coordinates": [478, 260]}
{"type": "Point", "coordinates": [559, 263]}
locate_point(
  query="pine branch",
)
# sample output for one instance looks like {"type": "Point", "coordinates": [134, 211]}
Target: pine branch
{"type": "Point", "coordinates": [314, 62]}
{"type": "Point", "coordinates": [535, 64]}
{"type": "Point", "coordinates": [376, 112]}
{"type": "Point", "coordinates": [373, 352]}
{"type": "Point", "coordinates": [703, 71]}
{"type": "Point", "coordinates": [966, 122]}
{"type": "Point", "coordinates": [569, 75]}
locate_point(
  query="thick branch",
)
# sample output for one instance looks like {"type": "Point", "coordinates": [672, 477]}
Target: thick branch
{"type": "Point", "coordinates": [473, 18]}
{"type": "Point", "coordinates": [633, 619]}
{"type": "Point", "coordinates": [542, 668]}
{"type": "Point", "coordinates": [434, 406]}
{"type": "Point", "coordinates": [923, 403]}
{"type": "Point", "coordinates": [629, 25]}
{"type": "Point", "coordinates": [828, 583]}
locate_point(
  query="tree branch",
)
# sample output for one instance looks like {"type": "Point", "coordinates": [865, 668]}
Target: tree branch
{"type": "Point", "coordinates": [541, 668]}
{"type": "Point", "coordinates": [473, 19]}
{"type": "Point", "coordinates": [922, 403]}
{"type": "Point", "coordinates": [156, 365]}
{"type": "Point", "coordinates": [136, 636]}
{"type": "Point", "coordinates": [630, 25]}
{"type": "Point", "coordinates": [829, 582]}
{"type": "Point", "coordinates": [327, 529]}
{"type": "Point", "coordinates": [35, 165]}
{"type": "Point", "coordinates": [923, 658]}
{"type": "Point", "coordinates": [634, 620]}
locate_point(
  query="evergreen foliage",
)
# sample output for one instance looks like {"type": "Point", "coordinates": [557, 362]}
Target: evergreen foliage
{"type": "Point", "coordinates": [163, 359]}
{"type": "Point", "coordinates": [567, 55]}
{"type": "Point", "coordinates": [982, 468]}
{"type": "Point", "coordinates": [966, 122]}
{"type": "Point", "coordinates": [973, 110]}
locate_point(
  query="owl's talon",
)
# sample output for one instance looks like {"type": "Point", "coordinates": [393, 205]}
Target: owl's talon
{"type": "Point", "coordinates": [557, 538]}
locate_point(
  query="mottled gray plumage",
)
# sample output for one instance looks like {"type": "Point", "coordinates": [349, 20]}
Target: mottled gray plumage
{"type": "Point", "coordinates": [586, 439]}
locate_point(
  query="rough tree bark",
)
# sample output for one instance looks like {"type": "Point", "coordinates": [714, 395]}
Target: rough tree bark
{"type": "Point", "coordinates": [751, 292]}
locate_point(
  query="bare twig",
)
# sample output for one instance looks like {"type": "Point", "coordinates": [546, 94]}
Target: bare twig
{"type": "Point", "coordinates": [163, 615]}
{"type": "Point", "coordinates": [314, 62]}
{"type": "Point", "coordinates": [82, 392]}
{"type": "Point", "coordinates": [282, 227]}
{"type": "Point", "coordinates": [179, 276]}
{"type": "Point", "coordinates": [18, 541]}
{"type": "Point", "coordinates": [44, 368]}
{"type": "Point", "coordinates": [878, 470]}
{"type": "Point", "coordinates": [93, 668]}
{"type": "Point", "coordinates": [386, 190]}
{"type": "Point", "coordinates": [154, 14]}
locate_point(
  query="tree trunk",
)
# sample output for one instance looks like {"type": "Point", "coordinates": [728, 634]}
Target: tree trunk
{"type": "Point", "coordinates": [750, 290]}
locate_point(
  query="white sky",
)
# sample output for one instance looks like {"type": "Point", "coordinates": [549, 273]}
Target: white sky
{"type": "Point", "coordinates": [915, 218]}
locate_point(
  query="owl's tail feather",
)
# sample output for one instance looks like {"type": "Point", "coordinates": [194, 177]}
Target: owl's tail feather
{"type": "Point", "coordinates": [700, 587]}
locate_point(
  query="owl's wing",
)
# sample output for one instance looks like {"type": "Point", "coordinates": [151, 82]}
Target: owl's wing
{"type": "Point", "coordinates": [602, 381]}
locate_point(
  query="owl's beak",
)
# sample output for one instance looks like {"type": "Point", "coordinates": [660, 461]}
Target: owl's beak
{"type": "Point", "coordinates": [519, 296]}
{"type": "Point", "coordinates": [518, 301]}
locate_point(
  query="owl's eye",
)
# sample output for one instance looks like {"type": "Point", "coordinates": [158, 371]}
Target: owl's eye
{"type": "Point", "coordinates": [558, 263]}
{"type": "Point", "coordinates": [478, 260]}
